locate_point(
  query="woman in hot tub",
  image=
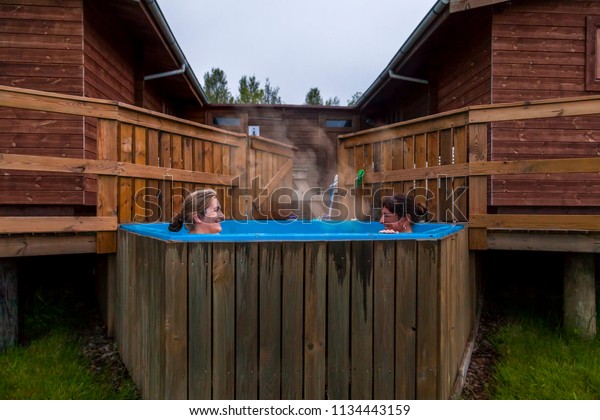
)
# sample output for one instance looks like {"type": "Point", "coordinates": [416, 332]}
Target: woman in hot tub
{"type": "Point", "coordinates": [399, 213]}
{"type": "Point", "coordinates": [200, 213]}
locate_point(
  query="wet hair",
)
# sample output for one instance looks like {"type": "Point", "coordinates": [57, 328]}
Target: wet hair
{"type": "Point", "coordinates": [402, 205]}
{"type": "Point", "coordinates": [196, 202]}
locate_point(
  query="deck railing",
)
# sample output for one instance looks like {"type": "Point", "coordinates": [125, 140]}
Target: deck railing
{"type": "Point", "coordinates": [443, 160]}
{"type": "Point", "coordinates": [146, 163]}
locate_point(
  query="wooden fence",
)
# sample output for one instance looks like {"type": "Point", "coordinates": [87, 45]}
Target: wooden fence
{"type": "Point", "coordinates": [443, 160]}
{"type": "Point", "coordinates": [291, 320]}
{"type": "Point", "coordinates": [146, 162]}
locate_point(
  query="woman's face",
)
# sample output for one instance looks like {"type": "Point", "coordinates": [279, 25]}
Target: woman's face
{"type": "Point", "coordinates": [210, 221]}
{"type": "Point", "coordinates": [391, 221]}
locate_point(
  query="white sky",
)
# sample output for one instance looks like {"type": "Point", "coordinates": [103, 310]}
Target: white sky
{"type": "Point", "coordinates": [339, 46]}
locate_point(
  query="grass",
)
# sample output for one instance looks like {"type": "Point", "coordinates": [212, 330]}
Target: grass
{"type": "Point", "coordinates": [538, 361]}
{"type": "Point", "coordinates": [50, 364]}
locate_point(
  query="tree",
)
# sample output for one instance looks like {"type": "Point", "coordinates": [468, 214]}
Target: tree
{"type": "Point", "coordinates": [313, 97]}
{"type": "Point", "coordinates": [271, 94]}
{"type": "Point", "coordinates": [215, 87]}
{"type": "Point", "coordinates": [335, 101]}
{"type": "Point", "coordinates": [354, 100]}
{"type": "Point", "coordinates": [250, 91]}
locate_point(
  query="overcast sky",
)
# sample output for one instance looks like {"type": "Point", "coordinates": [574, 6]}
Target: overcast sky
{"type": "Point", "coordinates": [339, 46]}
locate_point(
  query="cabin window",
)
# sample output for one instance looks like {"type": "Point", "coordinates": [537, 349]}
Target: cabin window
{"type": "Point", "coordinates": [228, 121]}
{"type": "Point", "coordinates": [338, 123]}
{"type": "Point", "coordinates": [592, 63]}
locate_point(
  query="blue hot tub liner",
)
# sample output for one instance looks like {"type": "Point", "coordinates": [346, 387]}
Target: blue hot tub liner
{"type": "Point", "coordinates": [294, 230]}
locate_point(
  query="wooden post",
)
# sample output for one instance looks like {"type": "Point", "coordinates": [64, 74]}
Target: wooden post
{"type": "Point", "coordinates": [580, 295]}
{"type": "Point", "coordinates": [9, 319]}
{"type": "Point", "coordinates": [106, 242]}
{"type": "Point", "coordinates": [477, 184]}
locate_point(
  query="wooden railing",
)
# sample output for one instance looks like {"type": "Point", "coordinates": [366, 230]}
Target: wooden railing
{"type": "Point", "coordinates": [443, 160]}
{"type": "Point", "coordinates": [146, 163]}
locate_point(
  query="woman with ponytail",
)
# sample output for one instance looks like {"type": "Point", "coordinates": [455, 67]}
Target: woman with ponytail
{"type": "Point", "coordinates": [200, 213]}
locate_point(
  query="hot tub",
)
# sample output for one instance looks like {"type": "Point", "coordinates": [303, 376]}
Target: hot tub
{"type": "Point", "coordinates": [293, 309]}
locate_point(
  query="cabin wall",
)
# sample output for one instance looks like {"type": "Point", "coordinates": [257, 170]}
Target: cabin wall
{"type": "Point", "coordinates": [539, 52]}
{"type": "Point", "coordinates": [41, 48]}
{"type": "Point", "coordinates": [303, 127]}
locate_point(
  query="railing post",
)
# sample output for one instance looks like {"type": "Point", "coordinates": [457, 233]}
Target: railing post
{"type": "Point", "coordinates": [478, 190]}
{"type": "Point", "coordinates": [106, 242]}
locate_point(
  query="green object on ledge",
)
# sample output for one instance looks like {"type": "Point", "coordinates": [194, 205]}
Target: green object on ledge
{"type": "Point", "coordinates": [359, 178]}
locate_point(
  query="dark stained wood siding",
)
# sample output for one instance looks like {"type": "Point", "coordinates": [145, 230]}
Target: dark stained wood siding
{"type": "Point", "coordinates": [465, 77]}
{"type": "Point", "coordinates": [539, 50]}
{"type": "Point", "coordinates": [41, 47]}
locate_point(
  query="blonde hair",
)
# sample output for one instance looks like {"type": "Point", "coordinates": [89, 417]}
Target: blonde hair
{"type": "Point", "coordinates": [196, 202]}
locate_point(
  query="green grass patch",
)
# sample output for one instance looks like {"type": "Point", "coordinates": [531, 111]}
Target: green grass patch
{"type": "Point", "coordinates": [50, 365]}
{"type": "Point", "coordinates": [538, 361]}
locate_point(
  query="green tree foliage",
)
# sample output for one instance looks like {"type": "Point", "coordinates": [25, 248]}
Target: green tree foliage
{"type": "Point", "coordinates": [250, 91]}
{"type": "Point", "coordinates": [271, 93]}
{"type": "Point", "coordinates": [215, 87]}
{"type": "Point", "coordinates": [354, 100]}
{"type": "Point", "coordinates": [335, 101]}
{"type": "Point", "coordinates": [313, 97]}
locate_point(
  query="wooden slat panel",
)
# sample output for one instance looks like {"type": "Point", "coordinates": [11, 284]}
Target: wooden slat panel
{"type": "Point", "coordinates": [270, 321]}
{"type": "Point", "coordinates": [175, 321]}
{"type": "Point", "coordinates": [338, 317]}
{"type": "Point", "coordinates": [152, 197]}
{"type": "Point", "coordinates": [166, 185]}
{"type": "Point", "coordinates": [383, 320]}
{"type": "Point", "coordinates": [177, 163]}
{"type": "Point", "coordinates": [406, 319]}
{"type": "Point", "coordinates": [536, 221]}
{"type": "Point", "coordinates": [446, 203]}
{"type": "Point", "coordinates": [188, 163]}
{"type": "Point", "coordinates": [408, 161]}
{"type": "Point", "coordinates": [246, 362]}
{"type": "Point", "coordinates": [460, 184]}
{"type": "Point", "coordinates": [155, 331]}
{"type": "Point", "coordinates": [57, 224]}
{"type": "Point", "coordinates": [223, 320]}
{"type": "Point", "coordinates": [427, 320]}
{"type": "Point", "coordinates": [292, 321]}
{"type": "Point", "coordinates": [433, 154]}
{"type": "Point", "coordinates": [361, 304]}
{"type": "Point", "coordinates": [446, 320]}
{"type": "Point", "coordinates": [28, 246]}
{"type": "Point", "coordinates": [478, 189]}
{"type": "Point", "coordinates": [200, 320]}
{"type": "Point", "coordinates": [314, 325]}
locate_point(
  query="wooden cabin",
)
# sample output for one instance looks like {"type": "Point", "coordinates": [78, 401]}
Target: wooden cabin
{"type": "Point", "coordinates": [498, 97]}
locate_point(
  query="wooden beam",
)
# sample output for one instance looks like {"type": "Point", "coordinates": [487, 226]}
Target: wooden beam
{"type": "Point", "coordinates": [538, 166]}
{"type": "Point", "coordinates": [106, 242]}
{"type": "Point", "coordinates": [406, 128]}
{"type": "Point", "coordinates": [535, 222]}
{"type": "Point", "coordinates": [103, 167]}
{"type": "Point", "coordinates": [432, 172]}
{"type": "Point", "coordinates": [478, 193]}
{"type": "Point", "coordinates": [556, 241]}
{"type": "Point", "coordinates": [462, 5]}
{"type": "Point", "coordinates": [57, 224]}
{"type": "Point", "coordinates": [29, 246]}
{"type": "Point", "coordinates": [271, 147]}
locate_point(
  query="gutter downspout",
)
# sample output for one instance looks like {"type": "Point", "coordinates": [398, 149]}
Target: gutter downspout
{"type": "Point", "coordinates": [165, 74]}
{"type": "Point", "coordinates": [172, 42]}
{"type": "Point", "coordinates": [435, 11]}
{"type": "Point", "coordinates": [406, 78]}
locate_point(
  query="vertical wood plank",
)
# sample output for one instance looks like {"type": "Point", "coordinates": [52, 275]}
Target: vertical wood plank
{"type": "Point", "coordinates": [397, 162]}
{"type": "Point", "coordinates": [460, 183]}
{"type": "Point", "coordinates": [141, 314]}
{"type": "Point", "coordinates": [246, 274]}
{"type": "Point", "coordinates": [383, 317]}
{"type": "Point", "coordinates": [420, 162]}
{"type": "Point", "coordinates": [177, 163]}
{"type": "Point", "coordinates": [406, 319]}
{"type": "Point", "coordinates": [139, 185]}
{"type": "Point", "coordinates": [223, 320]}
{"type": "Point", "coordinates": [156, 355]}
{"type": "Point", "coordinates": [125, 184]}
{"type": "Point", "coordinates": [478, 187]}
{"type": "Point", "coordinates": [167, 182]}
{"type": "Point", "coordinates": [107, 137]}
{"type": "Point", "coordinates": [176, 326]}
{"type": "Point", "coordinates": [154, 210]}
{"type": "Point", "coordinates": [427, 319]}
{"type": "Point", "coordinates": [314, 325]}
{"type": "Point", "coordinates": [446, 203]}
{"type": "Point", "coordinates": [433, 159]}
{"type": "Point", "coordinates": [338, 317]}
{"type": "Point", "coordinates": [445, 299]}
{"type": "Point", "coordinates": [9, 308]}
{"type": "Point", "coordinates": [292, 321]}
{"type": "Point", "coordinates": [200, 320]}
{"type": "Point", "coordinates": [361, 305]}
{"type": "Point", "coordinates": [132, 320]}
{"type": "Point", "coordinates": [270, 321]}
{"type": "Point", "coordinates": [408, 161]}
